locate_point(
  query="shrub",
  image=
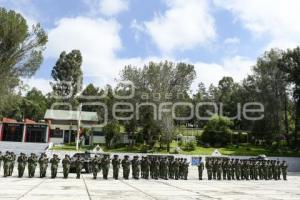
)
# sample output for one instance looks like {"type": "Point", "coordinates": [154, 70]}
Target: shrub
{"type": "Point", "coordinates": [190, 146]}
{"type": "Point", "coordinates": [217, 131]}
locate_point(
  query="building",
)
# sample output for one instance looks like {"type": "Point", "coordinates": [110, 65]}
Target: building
{"type": "Point", "coordinates": [63, 126]}
{"type": "Point", "coordinates": [27, 131]}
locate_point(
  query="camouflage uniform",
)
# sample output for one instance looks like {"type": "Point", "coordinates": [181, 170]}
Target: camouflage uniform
{"type": "Point", "coordinates": [105, 166]}
{"type": "Point", "coordinates": [32, 163]}
{"type": "Point", "coordinates": [12, 163]}
{"type": "Point", "coordinates": [22, 160]}
{"type": "Point", "coordinates": [43, 162]}
{"type": "Point", "coordinates": [200, 168]}
{"type": "Point", "coordinates": [116, 166]}
{"type": "Point", "coordinates": [54, 165]}
{"type": "Point", "coordinates": [66, 163]}
{"type": "Point", "coordinates": [135, 164]}
{"type": "Point", "coordinates": [79, 165]}
{"type": "Point", "coordinates": [284, 168]}
{"type": "Point", "coordinates": [126, 167]}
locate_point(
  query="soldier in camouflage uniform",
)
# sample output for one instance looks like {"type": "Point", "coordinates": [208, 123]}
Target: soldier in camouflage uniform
{"type": "Point", "coordinates": [277, 169]}
{"type": "Point", "coordinates": [43, 162]}
{"type": "Point", "coordinates": [54, 165]}
{"type": "Point", "coordinates": [6, 163]}
{"type": "Point", "coordinates": [66, 163]}
{"type": "Point", "coordinates": [237, 166]}
{"type": "Point", "coordinates": [170, 167]}
{"type": "Point", "coordinates": [147, 168]}
{"type": "Point", "coordinates": [186, 169]}
{"type": "Point", "coordinates": [32, 163]}
{"type": "Point", "coordinates": [219, 169]}
{"type": "Point", "coordinates": [126, 167]}
{"type": "Point", "coordinates": [284, 168]}
{"type": "Point", "coordinates": [105, 166]}
{"type": "Point", "coordinates": [135, 164]}
{"type": "Point", "coordinates": [175, 166]}
{"type": "Point", "coordinates": [95, 166]}
{"type": "Point", "coordinates": [116, 166]}
{"type": "Point", "coordinates": [200, 168]}
{"type": "Point", "coordinates": [12, 163]}
{"type": "Point", "coordinates": [156, 168]}
{"type": "Point", "coordinates": [22, 160]}
{"type": "Point", "coordinates": [208, 166]}
{"type": "Point", "coordinates": [1, 158]}
{"type": "Point", "coordinates": [79, 165]}
{"type": "Point", "coordinates": [181, 168]}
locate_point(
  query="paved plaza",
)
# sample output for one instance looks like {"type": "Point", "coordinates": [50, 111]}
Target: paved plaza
{"type": "Point", "coordinates": [87, 188]}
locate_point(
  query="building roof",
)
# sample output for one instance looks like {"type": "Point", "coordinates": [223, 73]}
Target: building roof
{"type": "Point", "coordinates": [70, 115]}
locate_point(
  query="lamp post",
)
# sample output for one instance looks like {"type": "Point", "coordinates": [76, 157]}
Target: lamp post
{"type": "Point", "coordinates": [78, 128]}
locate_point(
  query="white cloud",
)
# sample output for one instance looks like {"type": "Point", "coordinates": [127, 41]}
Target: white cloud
{"type": "Point", "coordinates": [107, 7]}
{"type": "Point", "coordinates": [39, 83]}
{"type": "Point", "coordinates": [184, 25]}
{"type": "Point", "coordinates": [232, 40]}
{"type": "Point", "coordinates": [274, 19]}
{"type": "Point", "coordinates": [237, 67]}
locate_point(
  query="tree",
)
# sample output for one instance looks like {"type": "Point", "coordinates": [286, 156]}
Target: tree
{"type": "Point", "coordinates": [34, 105]}
{"type": "Point", "coordinates": [131, 128]}
{"type": "Point", "coordinates": [20, 52]}
{"type": "Point", "coordinates": [112, 133]}
{"type": "Point", "coordinates": [68, 74]}
{"type": "Point", "coordinates": [290, 65]}
{"type": "Point", "coordinates": [217, 131]}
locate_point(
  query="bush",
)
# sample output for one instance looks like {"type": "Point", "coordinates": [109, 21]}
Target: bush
{"type": "Point", "coordinates": [190, 146]}
{"type": "Point", "coordinates": [217, 131]}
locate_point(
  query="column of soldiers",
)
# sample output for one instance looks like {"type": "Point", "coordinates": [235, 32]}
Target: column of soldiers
{"type": "Point", "coordinates": [242, 169]}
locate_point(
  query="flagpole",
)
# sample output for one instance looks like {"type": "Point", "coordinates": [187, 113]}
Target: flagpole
{"type": "Point", "coordinates": [78, 128]}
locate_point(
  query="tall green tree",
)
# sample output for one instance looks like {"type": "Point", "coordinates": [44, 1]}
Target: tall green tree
{"type": "Point", "coordinates": [290, 65]}
{"type": "Point", "coordinates": [67, 74]}
{"type": "Point", "coordinates": [21, 50]}
{"type": "Point", "coordinates": [112, 133]}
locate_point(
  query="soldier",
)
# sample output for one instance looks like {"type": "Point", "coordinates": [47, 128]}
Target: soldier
{"type": "Point", "coordinates": [219, 169]}
{"type": "Point", "coordinates": [143, 167]}
{"type": "Point", "coordinates": [277, 169]}
{"type": "Point", "coordinates": [255, 170]}
{"type": "Point", "coordinates": [54, 165]}
{"type": "Point", "coordinates": [135, 167]}
{"type": "Point", "coordinates": [237, 167]}
{"type": "Point", "coordinates": [265, 170]}
{"type": "Point", "coordinates": [152, 161]}
{"type": "Point", "coordinates": [208, 166]}
{"type": "Point", "coordinates": [66, 163]}
{"type": "Point", "coordinates": [247, 170]}
{"type": "Point", "coordinates": [200, 168]}
{"type": "Point", "coordinates": [225, 168]}
{"type": "Point", "coordinates": [43, 162]}
{"type": "Point", "coordinates": [214, 168]}
{"type": "Point", "coordinates": [147, 168]}
{"type": "Point", "coordinates": [186, 169]}
{"type": "Point", "coordinates": [175, 166]}
{"type": "Point", "coordinates": [32, 162]}
{"type": "Point", "coordinates": [22, 160]}
{"type": "Point", "coordinates": [261, 170]}
{"type": "Point", "coordinates": [232, 169]}
{"type": "Point", "coordinates": [12, 163]}
{"type": "Point", "coordinates": [163, 166]}
{"type": "Point", "coordinates": [105, 166]}
{"type": "Point", "coordinates": [156, 168]}
{"type": "Point", "coordinates": [116, 166]}
{"type": "Point", "coordinates": [6, 163]}
{"type": "Point", "coordinates": [95, 166]}
{"type": "Point", "coordinates": [170, 167]}
{"type": "Point", "coordinates": [1, 158]}
{"type": "Point", "coordinates": [181, 168]}
{"type": "Point", "coordinates": [126, 167]}
{"type": "Point", "coordinates": [79, 165]}
{"type": "Point", "coordinates": [284, 168]}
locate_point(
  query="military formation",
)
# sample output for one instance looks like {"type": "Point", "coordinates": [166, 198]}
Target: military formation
{"type": "Point", "coordinates": [147, 167]}
{"type": "Point", "coordinates": [224, 168]}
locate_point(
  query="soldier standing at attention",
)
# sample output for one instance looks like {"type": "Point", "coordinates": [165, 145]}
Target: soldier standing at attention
{"type": "Point", "coordinates": [176, 168]}
{"type": "Point", "coordinates": [54, 165]}
{"type": "Point", "coordinates": [200, 168]}
{"type": "Point", "coordinates": [79, 165]}
{"type": "Point", "coordinates": [135, 167]}
{"type": "Point", "coordinates": [66, 163]}
{"type": "Point", "coordinates": [214, 168]}
{"type": "Point", "coordinates": [147, 168]}
{"type": "Point", "coordinates": [116, 166]}
{"type": "Point", "coordinates": [43, 162]}
{"type": "Point", "coordinates": [284, 168]}
{"type": "Point", "coordinates": [1, 158]}
{"type": "Point", "coordinates": [6, 163]}
{"type": "Point", "coordinates": [143, 167]}
{"type": "Point", "coordinates": [208, 167]}
{"type": "Point", "coordinates": [219, 169]}
{"type": "Point", "coordinates": [12, 163]}
{"type": "Point", "coordinates": [32, 162]}
{"type": "Point", "coordinates": [171, 170]}
{"type": "Point", "coordinates": [237, 167]}
{"type": "Point", "coordinates": [126, 167]}
{"type": "Point", "coordinates": [152, 167]}
{"type": "Point", "coordinates": [186, 169]}
{"type": "Point", "coordinates": [105, 166]}
{"type": "Point", "coordinates": [95, 166]}
{"type": "Point", "coordinates": [22, 160]}
{"type": "Point", "coordinates": [277, 168]}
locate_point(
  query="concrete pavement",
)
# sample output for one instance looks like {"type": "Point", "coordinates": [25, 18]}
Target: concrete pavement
{"type": "Point", "coordinates": [87, 188]}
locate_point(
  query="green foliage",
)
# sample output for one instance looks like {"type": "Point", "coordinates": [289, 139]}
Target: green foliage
{"type": "Point", "coordinates": [190, 146]}
{"type": "Point", "coordinates": [112, 133]}
{"type": "Point", "coordinates": [217, 131]}
{"type": "Point", "coordinates": [67, 73]}
{"type": "Point", "coordinates": [20, 56]}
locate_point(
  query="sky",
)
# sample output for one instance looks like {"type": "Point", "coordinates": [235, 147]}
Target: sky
{"type": "Point", "coordinates": [219, 37]}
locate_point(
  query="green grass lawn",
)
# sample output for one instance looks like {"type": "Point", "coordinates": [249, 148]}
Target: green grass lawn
{"type": "Point", "coordinates": [230, 150]}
